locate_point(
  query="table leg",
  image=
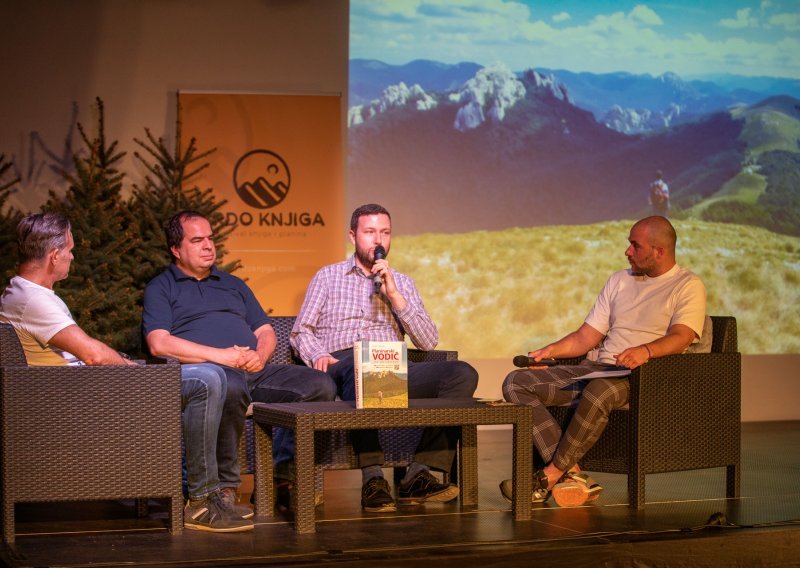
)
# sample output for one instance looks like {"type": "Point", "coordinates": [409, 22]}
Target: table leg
{"type": "Point", "coordinates": [263, 474]}
{"type": "Point", "coordinates": [303, 498]}
{"type": "Point", "coordinates": [523, 464]}
{"type": "Point", "coordinates": [468, 468]}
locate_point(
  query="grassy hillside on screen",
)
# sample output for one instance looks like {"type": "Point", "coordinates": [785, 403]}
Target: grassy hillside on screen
{"type": "Point", "coordinates": [495, 294]}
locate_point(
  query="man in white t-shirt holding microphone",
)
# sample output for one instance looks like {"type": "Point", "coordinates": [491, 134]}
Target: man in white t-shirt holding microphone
{"type": "Point", "coordinates": [653, 309]}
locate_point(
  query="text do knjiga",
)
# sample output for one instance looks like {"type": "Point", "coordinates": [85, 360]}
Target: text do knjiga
{"type": "Point", "coordinates": [267, 219]}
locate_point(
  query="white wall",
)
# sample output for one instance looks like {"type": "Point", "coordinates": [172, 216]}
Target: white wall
{"type": "Point", "coordinates": [136, 54]}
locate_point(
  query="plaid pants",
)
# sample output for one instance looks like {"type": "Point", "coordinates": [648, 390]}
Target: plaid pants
{"type": "Point", "coordinates": [563, 386]}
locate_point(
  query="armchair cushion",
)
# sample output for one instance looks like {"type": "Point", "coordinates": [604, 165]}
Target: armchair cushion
{"type": "Point", "coordinates": [704, 345]}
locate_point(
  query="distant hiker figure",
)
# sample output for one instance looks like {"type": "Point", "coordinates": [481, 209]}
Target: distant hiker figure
{"type": "Point", "coordinates": [658, 195]}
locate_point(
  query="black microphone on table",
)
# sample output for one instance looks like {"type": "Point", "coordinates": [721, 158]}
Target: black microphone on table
{"type": "Point", "coordinates": [525, 361]}
{"type": "Point", "coordinates": [378, 254]}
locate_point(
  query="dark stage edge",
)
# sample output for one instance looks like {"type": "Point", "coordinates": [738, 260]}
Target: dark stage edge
{"type": "Point", "coordinates": [759, 529]}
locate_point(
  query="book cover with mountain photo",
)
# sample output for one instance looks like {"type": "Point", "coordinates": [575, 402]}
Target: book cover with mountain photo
{"type": "Point", "coordinates": [381, 369]}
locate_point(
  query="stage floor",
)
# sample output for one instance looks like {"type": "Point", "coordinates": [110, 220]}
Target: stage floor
{"type": "Point", "coordinates": [672, 530]}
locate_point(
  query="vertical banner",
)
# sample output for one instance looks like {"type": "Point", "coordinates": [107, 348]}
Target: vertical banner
{"type": "Point", "coordinates": [279, 164]}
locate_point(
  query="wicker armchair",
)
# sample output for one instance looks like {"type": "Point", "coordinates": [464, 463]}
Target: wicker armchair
{"type": "Point", "coordinates": [87, 433]}
{"type": "Point", "coordinates": [333, 448]}
{"type": "Point", "coordinates": [684, 413]}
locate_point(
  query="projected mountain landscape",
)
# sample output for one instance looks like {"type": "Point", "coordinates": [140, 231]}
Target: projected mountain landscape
{"type": "Point", "coordinates": [500, 149]}
{"type": "Point", "coordinates": [514, 142]}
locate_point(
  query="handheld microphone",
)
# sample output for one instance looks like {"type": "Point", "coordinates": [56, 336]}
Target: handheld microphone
{"type": "Point", "coordinates": [525, 361]}
{"type": "Point", "coordinates": [379, 254]}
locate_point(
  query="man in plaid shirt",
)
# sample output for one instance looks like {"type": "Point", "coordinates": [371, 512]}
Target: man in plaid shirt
{"type": "Point", "coordinates": [341, 307]}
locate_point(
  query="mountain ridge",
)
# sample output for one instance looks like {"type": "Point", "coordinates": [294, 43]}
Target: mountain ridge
{"type": "Point", "coordinates": [634, 94]}
{"type": "Point", "coordinates": [514, 149]}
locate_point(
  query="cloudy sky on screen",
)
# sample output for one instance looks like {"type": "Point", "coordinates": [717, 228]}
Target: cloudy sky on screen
{"type": "Point", "coordinates": [687, 37]}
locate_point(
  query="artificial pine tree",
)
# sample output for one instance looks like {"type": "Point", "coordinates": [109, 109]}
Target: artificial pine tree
{"type": "Point", "coordinates": [100, 289]}
{"type": "Point", "coordinates": [9, 217]}
{"type": "Point", "coordinates": [168, 188]}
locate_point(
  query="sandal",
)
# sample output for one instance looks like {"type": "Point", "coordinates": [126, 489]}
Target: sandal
{"type": "Point", "coordinates": [576, 489]}
{"type": "Point", "coordinates": [539, 493]}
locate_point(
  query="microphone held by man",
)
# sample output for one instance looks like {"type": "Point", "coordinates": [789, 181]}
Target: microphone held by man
{"type": "Point", "coordinates": [379, 254]}
{"type": "Point", "coordinates": [525, 361]}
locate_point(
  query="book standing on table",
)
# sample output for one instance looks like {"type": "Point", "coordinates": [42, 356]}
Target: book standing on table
{"type": "Point", "coordinates": [381, 374]}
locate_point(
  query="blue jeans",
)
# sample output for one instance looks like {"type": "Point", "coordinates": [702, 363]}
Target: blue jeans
{"type": "Point", "coordinates": [439, 379]}
{"type": "Point", "coordinates": [288, 383]}
{"type": "Point", "coordinates": [203, 395]}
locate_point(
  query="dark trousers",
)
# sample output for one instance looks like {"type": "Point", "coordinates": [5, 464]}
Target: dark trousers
{"type": "Point", "coordinates": [439, 379]}
{"type": "Point", "coordinates": [274, 383]}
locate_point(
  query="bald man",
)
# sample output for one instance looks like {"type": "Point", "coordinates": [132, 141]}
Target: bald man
{"type": "Point", "coordinates": [654, 308]}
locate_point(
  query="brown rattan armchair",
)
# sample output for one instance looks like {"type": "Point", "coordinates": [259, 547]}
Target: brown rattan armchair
{"type": "Point", "coordinates": [87, 433]}
{"type": "Point", "coordinates": [684, 413]}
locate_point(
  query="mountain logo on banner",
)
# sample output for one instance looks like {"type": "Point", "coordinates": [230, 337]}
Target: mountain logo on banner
{"type": "Point", "coordinates": [261, 179]}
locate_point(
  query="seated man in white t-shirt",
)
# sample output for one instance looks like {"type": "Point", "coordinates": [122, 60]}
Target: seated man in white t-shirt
{"type": "Point", "coordinates": [653, 309]}
{"type": "Point", "coordinates": [44, 325]}
{"type": "Point", "coordinates": [49, 336]}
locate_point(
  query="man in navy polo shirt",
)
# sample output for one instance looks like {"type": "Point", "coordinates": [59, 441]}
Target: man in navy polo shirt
{"type": "Point", "coordinates": [196, 313]}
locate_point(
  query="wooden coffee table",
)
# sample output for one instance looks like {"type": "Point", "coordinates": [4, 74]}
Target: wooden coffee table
{"type": "Point", "coordinates": [305, 418]}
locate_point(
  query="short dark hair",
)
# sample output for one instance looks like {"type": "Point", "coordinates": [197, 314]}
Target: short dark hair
{"type": "Point", "coordinates": [368, 209]}
{"type": "Point", "coordinates": [40, 233]}
{"type": "Point", "coordinates": [173, 229]}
